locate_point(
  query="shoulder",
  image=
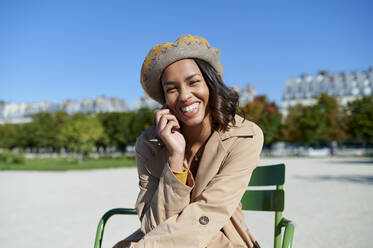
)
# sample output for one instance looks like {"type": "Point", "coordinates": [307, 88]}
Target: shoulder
{"type": "Point", "coordinates": [243, 128]}
{"type": "Point", "coordinates": [151, 153]}
{"type": "Point", "coordinates": [243, 138]}
{"type": "Point", "coordinates": [148, 143]}
{"type": "Point", "coordinates": [244, 143]}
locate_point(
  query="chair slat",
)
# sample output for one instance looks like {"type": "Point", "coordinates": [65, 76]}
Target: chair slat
{"type": "Point", "coordinates": [268, 175]}
{"type": "Point", "coordinates": [263, 200]}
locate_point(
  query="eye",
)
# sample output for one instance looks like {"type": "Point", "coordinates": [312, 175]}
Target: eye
{"type": "Point", "coordinates": [170, 90]}
{"type": "Point", "coordinates": [194, 82]}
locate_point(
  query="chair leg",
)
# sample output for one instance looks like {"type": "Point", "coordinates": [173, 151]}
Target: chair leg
{"type": "Point", "coordinates": [99, 233]}
{"type": "Point", "coordinates": [288, 233]}
{"type": "Point", "coordinates": [277, 240]}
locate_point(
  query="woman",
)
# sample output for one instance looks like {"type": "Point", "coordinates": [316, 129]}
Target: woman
{"type": "Point", "coordinates": [194, 164]}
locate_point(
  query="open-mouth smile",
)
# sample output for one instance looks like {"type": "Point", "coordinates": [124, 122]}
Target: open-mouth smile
{"type": "Point", "coordinates": [190, 110]}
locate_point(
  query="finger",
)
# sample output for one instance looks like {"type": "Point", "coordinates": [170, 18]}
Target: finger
{"type": "Point", "coordinates": [162, 123]}
{"type": "Point", "coordinates": [168, 129]}
{"type": "Point", "coordinates": [159, 113]}
{"type": "Point", "coordinates": [171, 117]}
{"type": "Point", "coordinates": [167, 118]}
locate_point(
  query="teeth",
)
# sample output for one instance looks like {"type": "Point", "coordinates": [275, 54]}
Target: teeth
{"type": "Point", "coordinates": [190, 107]}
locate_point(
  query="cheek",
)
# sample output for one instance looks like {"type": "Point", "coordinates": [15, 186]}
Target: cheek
{"type": "Point", "coordinates": [205, 93]}
{"type": "Point", "coordinates": [206, 96]}
{"type": "Point", "coordinates": [170, 101]}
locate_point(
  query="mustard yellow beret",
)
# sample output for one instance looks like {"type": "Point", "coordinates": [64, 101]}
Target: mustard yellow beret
{"type": "Point", "coordinates": [164, 54]}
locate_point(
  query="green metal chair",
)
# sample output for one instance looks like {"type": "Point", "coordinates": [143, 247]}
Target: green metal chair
{"type": "Point", "coordinates": [257, 200]}
{"type": "Point", "coordinates": [270, 200]}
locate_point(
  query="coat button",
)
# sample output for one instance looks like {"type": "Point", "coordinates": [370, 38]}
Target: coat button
{"type": "Point", "coordinates": [204, 220]}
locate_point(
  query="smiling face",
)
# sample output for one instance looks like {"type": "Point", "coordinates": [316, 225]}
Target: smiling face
{"type": "Point", "coordinates": [186, 92]}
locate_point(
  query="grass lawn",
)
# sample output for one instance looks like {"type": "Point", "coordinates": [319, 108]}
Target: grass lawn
{"type": "Point", "coordinates": [50, 164]}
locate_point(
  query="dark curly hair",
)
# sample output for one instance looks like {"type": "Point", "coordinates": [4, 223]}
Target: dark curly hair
{"type": "Point", "coordinates": [223, 101]}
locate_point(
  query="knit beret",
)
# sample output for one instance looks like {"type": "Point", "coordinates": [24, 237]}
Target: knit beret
{"type": "Point", "coordinates": [164, 54]}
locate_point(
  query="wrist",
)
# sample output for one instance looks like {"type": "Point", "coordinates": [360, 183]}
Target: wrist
{"type": "Point", "coordinates": [176, 162]}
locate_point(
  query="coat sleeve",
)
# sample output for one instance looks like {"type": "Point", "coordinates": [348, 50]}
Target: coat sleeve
{"type": "Point", "coordinates": [159, 199]}
{"type": "Point", "coordinates": [217, 202]}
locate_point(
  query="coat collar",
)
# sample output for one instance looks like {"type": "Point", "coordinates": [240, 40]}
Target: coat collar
{"type": "Point", "coordinates": [238, 129]}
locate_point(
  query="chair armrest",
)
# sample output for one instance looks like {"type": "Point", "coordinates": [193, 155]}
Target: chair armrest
{"type": "Point", "coordinates": [288, 233]}
{"type": "Point", "coordinates": [105, 218]}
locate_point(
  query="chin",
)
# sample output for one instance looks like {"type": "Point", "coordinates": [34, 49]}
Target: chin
{"type": "Point", "coordinates": [193, 122]}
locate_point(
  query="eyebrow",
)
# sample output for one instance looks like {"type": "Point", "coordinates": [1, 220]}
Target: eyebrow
{"type": "Point", "coordinates": [191, 76]}
{"type": "Point", "coordinates": [186, 79]}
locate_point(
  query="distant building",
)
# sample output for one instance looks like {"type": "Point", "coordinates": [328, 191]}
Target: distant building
{"type": "Point", "coordinates": [246, 94]}
{"type": "Point", "coordinates": [345, 86]}
{"type": "Point", "coordinates": [145, 102]}
{"type": "Point", "coordinates": [97, 105]}
{"type": "Point", "coordinates": [23, 112]}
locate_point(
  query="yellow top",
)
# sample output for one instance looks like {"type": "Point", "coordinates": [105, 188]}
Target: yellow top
{"type": "Point", "coordinates": [182, 176]}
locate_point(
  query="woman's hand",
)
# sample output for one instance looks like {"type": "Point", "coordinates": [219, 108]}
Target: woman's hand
{"type": "Point", "coordinates": [168, 129]}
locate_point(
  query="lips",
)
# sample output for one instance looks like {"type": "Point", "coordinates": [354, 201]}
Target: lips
{"type": "Point", "coordinates": [190, 109]}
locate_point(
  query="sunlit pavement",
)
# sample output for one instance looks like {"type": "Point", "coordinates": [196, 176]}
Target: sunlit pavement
{"type": "Point", "coordinates": [329, 199]}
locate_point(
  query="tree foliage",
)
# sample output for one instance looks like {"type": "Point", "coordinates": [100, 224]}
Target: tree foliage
{"type": "Point", "coordinates": [141, 120]}
{"type": "Point", "coordinates": [81, 133]}
{"type": "Point", "coordinates": [323, 122]}
{"type": "Point", "coordinates": [303, 125]}
{"type": "Point", "coordinates": [267, 115]}
{"type": "Point", "coordinates": [117, 128]}
{"type": "Point", "coordinates": [122, 129]}
{"type": "Point", "coordinates": [334, 119]}
{"type": "Point", "coordinates": [47, 127]}
{"type": "Point", "coordinates": [9, 135]}
{"type": "Point", "coordinates": [360, 123]}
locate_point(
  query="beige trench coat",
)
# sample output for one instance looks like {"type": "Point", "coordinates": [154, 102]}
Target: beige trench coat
{"type": "Point", "coordinates": [207, 211]}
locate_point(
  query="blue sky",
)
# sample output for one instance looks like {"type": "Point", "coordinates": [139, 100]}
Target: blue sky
{"type": "Point", "coordinates": [57, 50]}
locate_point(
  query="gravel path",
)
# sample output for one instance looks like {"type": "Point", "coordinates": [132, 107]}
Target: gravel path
{"type": "Point", "coordinates": [331, 201]}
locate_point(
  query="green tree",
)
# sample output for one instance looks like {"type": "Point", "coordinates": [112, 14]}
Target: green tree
{"type": "Point", "coordinates": [290, 131]}
{"type": "Point", "coordinates": [8, 136]}
{"type": "Point", "coordinates": [360, 120]}
{"type": "Point", "coordinates": [140, 120]}
{"type": "Point", "coordinates": [25, 135]}
{"type": "Point", "coordinates": [59, 119]}
{"type": "Point", "coordinates": [117, 128]}
{"type": "Point", "coordinates": [267, 115]}
{"type": "Point", "coordinates": [303, 125]}
{"type": "Point", "coordinates": [47, 128]}
{"type": "Point", "coordinates": [81, 132]}
{"type": "Point", "coordinates": [334, 119]}
{"type": "Point", "coordinates": [323, 122]}
{"type": "Point", "coordinates": [122, 129]}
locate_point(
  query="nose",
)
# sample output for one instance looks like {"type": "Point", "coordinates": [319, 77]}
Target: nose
{"type": "Point", "coordinates": [185, 94]}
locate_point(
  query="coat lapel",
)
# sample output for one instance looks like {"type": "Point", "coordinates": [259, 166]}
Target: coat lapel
{"type": "Point", "coordinates": [212, 158]}
{"type": "Point", "coordinates": [214, 154]}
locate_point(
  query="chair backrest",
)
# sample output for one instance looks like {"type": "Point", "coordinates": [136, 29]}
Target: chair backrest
{"type": "Point", "coordinates": [266, 199]}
